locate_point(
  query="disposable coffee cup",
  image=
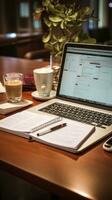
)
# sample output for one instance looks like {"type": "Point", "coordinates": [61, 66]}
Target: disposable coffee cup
{"type": "Point", "coordinates": [13, 85]}
{"type": "Point", "coordinates": [43, 78]}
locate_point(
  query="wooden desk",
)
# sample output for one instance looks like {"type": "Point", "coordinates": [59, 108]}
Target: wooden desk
{"type": "Point", "coordinates": [72, 176]}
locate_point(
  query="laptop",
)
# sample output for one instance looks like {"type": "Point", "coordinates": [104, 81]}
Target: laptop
{"type": "Point", "coordinates": [85, 89]}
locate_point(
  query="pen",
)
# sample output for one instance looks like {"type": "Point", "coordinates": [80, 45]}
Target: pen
{"type": "Point", "coordinates": [52, 129]}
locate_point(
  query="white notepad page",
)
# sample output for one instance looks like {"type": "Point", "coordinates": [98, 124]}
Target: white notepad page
{"type": "Point", "coordinates": [27, 122]}
{"type": "Point", "coordinates": [68, 137]}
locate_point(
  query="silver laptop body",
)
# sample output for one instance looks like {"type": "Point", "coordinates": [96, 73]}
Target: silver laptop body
{"type": "Point", "coordinates": [85, 83]}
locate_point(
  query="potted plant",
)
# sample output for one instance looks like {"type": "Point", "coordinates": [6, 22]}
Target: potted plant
{"type": "Point", "coordinates": [63, 22]}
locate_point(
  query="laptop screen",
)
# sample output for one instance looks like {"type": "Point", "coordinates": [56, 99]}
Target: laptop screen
{"type": "Point", "coordinates": [86, 73]}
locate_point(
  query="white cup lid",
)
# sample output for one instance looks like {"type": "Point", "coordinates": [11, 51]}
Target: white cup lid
{"type": "Point", "coordinates": [43, 70]}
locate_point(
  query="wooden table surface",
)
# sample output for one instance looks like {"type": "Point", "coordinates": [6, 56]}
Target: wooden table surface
{"type": "Point", "coordinates": [87, 175]}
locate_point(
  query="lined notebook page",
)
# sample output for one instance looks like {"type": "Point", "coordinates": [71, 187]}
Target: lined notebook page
{"type": "Point", "coordinates": [68, 137]}
{"type": "Point", "coordinates": [27, 121]}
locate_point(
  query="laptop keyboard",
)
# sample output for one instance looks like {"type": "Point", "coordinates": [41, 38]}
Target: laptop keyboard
{"type": "Point", "coordinates": [79, 114]}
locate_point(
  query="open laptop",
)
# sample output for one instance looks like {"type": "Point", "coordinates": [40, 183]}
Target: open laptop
{"type": "Point", "coordinates": [85, 89]}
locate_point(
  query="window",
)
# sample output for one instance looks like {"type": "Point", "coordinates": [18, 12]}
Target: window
{"type": "Point", "coordinates": [24, 9]}
{"type": "Point", "coordinates": [25, 19]}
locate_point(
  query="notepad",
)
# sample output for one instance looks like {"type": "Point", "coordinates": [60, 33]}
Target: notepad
{"type": "Point", "coordinates": [28, 124]}
{"type": "Point", "coordinates": [25, 122]}
{"type": "Point", "coordinates": [68, 138]}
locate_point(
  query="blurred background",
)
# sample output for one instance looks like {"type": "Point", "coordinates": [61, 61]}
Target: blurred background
{"type": "Point", "coordinates": [21, 33]}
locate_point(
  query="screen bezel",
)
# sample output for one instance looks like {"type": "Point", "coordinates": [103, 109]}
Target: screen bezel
{"type": "Point", "coordinates": [83, 46]}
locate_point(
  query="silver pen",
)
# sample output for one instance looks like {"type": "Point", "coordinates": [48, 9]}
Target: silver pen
{"type": "Point", "coordinates": [54, 128]}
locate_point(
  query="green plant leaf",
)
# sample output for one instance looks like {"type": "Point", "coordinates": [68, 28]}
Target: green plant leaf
{"type": "Point", "coordinates": [84, 12]}
{"type": "Point", "coordinates": [76, 39]}
{"type": "Point", "coordinates": [48, 46]}
{"type": "Point", "coordinates": [46, 37]}
{"type": "Point", "coordinates": [69, 11]}
{"type": "Point", "coordinates": [47, 22]}
{"type": "Point", "coordinates": [38, 11]}
{"type": "Point", "coordinates": [50, 7]}
{"type": "Point", "coordinates": [55, 24]}
{"type": "Point", "coordinates": [55, 18]}
{"type": "Point", "coordinates": [62, 39]}
{"type": "Point", "coordinates": [57, 47]}
{"type": "Point", "coordinates": [58, 54]}
{"type": "Point", "coordinates": [62, 24]}
{"type": "Point", "coordinates": [54, 37]}
{"type": "Point", "coordinates": [74, 16]}
{"type": "Point", "coordinates": [87, 10]}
